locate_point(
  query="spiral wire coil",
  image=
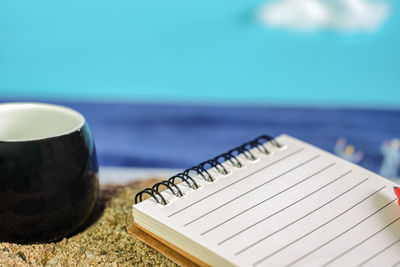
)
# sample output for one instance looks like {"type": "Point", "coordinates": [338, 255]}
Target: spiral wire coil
{"type": "Point", "coordinates": [202, 169]}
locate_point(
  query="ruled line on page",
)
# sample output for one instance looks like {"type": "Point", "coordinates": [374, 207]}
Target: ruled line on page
{"type": "Point", "coordinates": [339, 235]}
{"type": "Point", "coordinates": [295, 221]}
{"type": "Point", "coordinates": [315, 229]}
{"type": "Point", "coordinates": [379, 252]}
{"type": "Point", "coordinates": [254, 188]}
{"type": "Point", "coordinates": [267, 199]}
{"type": "Point", "coordinates": [263, 168]}
{"type": "Point", "coordinates": [397, 263]}
{"type": "Point", "coordinates": [273, 214]}
{"type": "Point", "coordinates": [365, 240]}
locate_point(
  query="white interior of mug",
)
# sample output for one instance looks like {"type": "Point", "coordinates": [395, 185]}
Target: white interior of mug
{"type": "Point", "coordinates": [34, 121]}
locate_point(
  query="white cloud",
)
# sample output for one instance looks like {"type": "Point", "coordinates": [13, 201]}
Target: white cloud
{"type": "Point", "coordinates": [341, 15]}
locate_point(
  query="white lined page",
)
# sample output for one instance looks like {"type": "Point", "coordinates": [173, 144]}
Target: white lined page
{"type": "Point", "coordinates": [298, 206]}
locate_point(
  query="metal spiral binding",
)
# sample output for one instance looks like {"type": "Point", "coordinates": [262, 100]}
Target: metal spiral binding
{"type": "Point", "coordinates": [201, 169]}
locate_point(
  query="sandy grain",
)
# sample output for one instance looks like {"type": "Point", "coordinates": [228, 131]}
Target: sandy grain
{"type": "Point", "coordinates": [103, 241]}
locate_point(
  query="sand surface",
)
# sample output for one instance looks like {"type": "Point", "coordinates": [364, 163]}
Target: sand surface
{"type": "Point", "coordinates": [103, 241]}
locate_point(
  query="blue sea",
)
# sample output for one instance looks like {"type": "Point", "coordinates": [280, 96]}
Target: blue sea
{"type": "Point", "coordinates": [190, 51]}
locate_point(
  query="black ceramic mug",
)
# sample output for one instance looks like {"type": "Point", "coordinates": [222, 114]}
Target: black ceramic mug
{"type": "Point", "coordinates": [48, 172]}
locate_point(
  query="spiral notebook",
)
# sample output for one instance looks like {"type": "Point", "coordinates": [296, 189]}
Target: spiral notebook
{"type": "Point", "coordinates": [272, 202]}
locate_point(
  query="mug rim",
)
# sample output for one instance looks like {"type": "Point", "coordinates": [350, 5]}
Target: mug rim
{"type": "Point", "coordinates": [66, 111]}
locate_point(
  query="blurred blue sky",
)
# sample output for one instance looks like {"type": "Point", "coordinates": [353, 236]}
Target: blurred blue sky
{"type": "Point", "coordinates": [179, 51]}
